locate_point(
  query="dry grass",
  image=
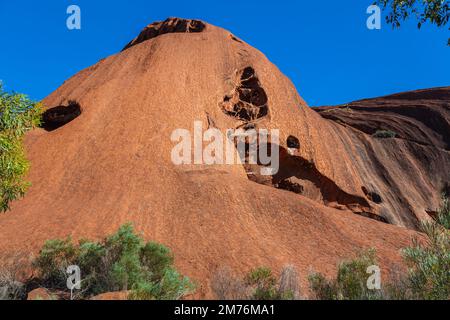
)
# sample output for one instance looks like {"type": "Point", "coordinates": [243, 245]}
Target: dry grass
{"type": "Point", "coordinates": [226, 286]}
{"type": "Point", "coordinates": [289, 283]}
{"type": "Point", "coordinates": [12, 278]}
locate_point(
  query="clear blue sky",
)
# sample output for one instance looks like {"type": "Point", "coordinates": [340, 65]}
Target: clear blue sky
{"type": "Point", "coordinates": [324, 47]}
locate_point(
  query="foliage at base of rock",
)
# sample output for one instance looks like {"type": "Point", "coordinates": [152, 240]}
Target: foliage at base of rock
{"type": "Point", "coordinates": [121, 262]}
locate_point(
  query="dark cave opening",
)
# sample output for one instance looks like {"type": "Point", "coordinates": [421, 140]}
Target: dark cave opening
{"type": "Point", "coordinates": [59, 116]}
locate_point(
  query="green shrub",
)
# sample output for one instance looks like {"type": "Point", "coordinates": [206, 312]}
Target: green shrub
{"type": "Point", "coordinates": [122, 261]}
{"type": "Point", "coordinates": [263, 283]}
{"type": "Point", "coordinates": [429, 264]}
{"type": "Point", "coordinates": [18, 115]}
{"type": "Point", "coordinates": [384, 134]}
{"type": "Point", "coordinates": [53, 260]}
{"type": "Point", "coordinates": [94, 262]}
{"type": "Point", "coordinates": [124, 249]}
{"type": "Point", "coordinates": [322, 288]}
{"type": "Point", "coordinates": [443, 216]}
{"type": "Point", "coordinates": [156, 257]}
{"type": "Point", "coordinates": [350, 283]}
{"type": "Point", "coordinates": [171, 286]}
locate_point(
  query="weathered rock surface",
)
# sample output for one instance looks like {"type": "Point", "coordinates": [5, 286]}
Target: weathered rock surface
{"type": "Point", "coordinates": [405, 174]}
{"type": "Point", "coordinates": [170, 25]}
{"type": "Point", "coordinates": [111, 163]}
{"type": "Point", "coordinates": [119, 295]}
{"type": "Point", "coordinates": [41, 294]}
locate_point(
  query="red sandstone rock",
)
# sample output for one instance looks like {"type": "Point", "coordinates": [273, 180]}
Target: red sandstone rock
{"type": "Point", "coordinates": [120, 295]}
{"type": "Point", "coordinates": [406, 174]}
{"type": "Point", "coordinates": [41, 294]}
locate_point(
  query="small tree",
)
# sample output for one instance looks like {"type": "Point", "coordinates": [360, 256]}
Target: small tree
{"type": "Point", "coordinates": [18, 114]}
{"type": "Point", "coordinates": [433, 11]}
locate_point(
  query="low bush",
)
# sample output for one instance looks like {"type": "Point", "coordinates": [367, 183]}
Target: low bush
{"type": "Point", "coordinates": [429, 262]}
{"type": "Point", "coordinates": [350, 283]}
{"type": "Point", "coordinates": [384, 134]}
{"type": "Point", "coordinates": [263, 284]}
{"type": "Point", "coordinates": [443, 216]}
{"type": "Point", "coordinates": [122, 261]}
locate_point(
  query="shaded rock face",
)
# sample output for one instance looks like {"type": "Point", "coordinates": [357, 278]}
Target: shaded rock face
{"type": "Point", "coordinates": [421, 116]}
{"type": "Point", "coordinates": [406, 172]}
{"type": "Point", "coordinates": [108, 162]}
{"type": "Point", "coordinates": [59, 116]}
{"type": "Point", "coordinates": [170, 25]}
{"type": "Point", "coordinates": [248, 100]}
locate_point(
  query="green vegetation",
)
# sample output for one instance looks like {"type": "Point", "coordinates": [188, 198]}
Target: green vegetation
{"type": "Point", "coordinates": [429, 262]}
{"type": "Point", "coordinates": [384, 134]}
{"type": "Point", "coordinates": [122, 261]}
{"type": "Point", "coordinates": [263, 284]}
{"type": "Point", "coordinates": [18, 115]}
{"type": "Point", "coordinates": [428, 276]}
{"type": "Point", "coordinates": [443, 216]}
{"type": "Point", "coordinates": [125, 262]}
{"type": "Point", "coordinates": [433, 11]}
{"type": "Point", "coordinates": [350, 283]}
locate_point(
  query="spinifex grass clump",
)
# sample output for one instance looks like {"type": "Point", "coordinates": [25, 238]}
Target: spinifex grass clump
{"type": "Point", "coordinates": [121, 262]}
{"type": "Point", "coordinates": [18, 114]}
